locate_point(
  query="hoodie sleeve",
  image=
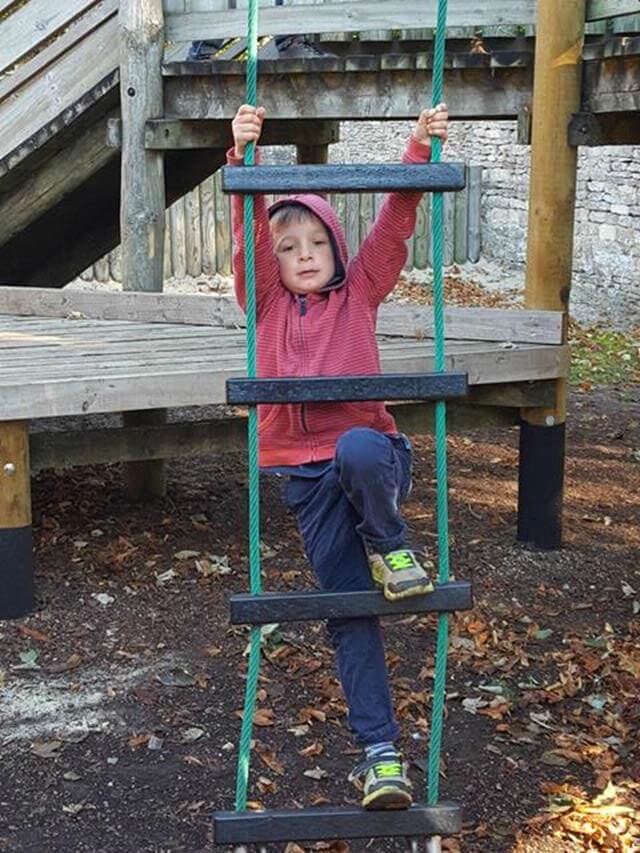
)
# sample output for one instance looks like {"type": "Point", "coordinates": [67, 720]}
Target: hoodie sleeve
{"type": "Point", "coordinates": [267, 270]}
{"type": "Point", "coordinates": [374, 271]}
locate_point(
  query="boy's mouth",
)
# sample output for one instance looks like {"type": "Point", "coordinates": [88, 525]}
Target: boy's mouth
{"type": "Point", "coordinates": [307, 273]}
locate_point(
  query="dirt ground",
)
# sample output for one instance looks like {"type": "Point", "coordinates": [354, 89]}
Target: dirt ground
{"type": "Point", "coordinates": [120, 696]}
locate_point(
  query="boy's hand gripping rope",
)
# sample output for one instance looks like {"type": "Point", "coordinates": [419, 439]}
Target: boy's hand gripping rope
{"type": "Point", "coordinates": [253, 667]}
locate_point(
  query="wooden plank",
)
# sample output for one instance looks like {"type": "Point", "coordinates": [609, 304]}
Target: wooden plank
{"type": "Point", "coordinates": [390, 94]}
{"type": "Point", "coordinates": [215, 438]}
{"type": "Point", "coordinates": [178, 239]}
{"type": "Point", "coordinates": [222, 206]}
{"type": "Point", "coordinates": [33, 23]}
{"type": "Point", "coordinates": [346, 17]}
{"type": "Point", "coordinates": [47, 186]}
{"type": "Point", "coordinates": [101, 11]}
{"type": "Point", "coordinates": [461, 225]}
{"type": "Point", "coordinates": [201, 385]}
{"type": "Point", "coordinates": [448, 216]}
{"type": "Point", "coordinates": [421, 234]}
{"type": "Point", "coordinates": [598, 10]}
{"type": "Point", "coordinates": [474, 213]}
{"type": "Point", "coordinates": [208, 226]}
{"type": "Point", "coordinates": [193, 245]}
{"type": "Point", "coordinates": [352, 225]}
{"type": "Point", "coordinates": [136, 444]}
{"type": "Point", "coordinates": [101, 269]}
{"type": "Point", "coordinates": [518, 326]}
{"type": "Point", "coordinates": [65, 82]}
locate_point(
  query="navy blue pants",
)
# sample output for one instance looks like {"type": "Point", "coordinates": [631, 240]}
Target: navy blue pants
{"type": "Point", "coordinates": [356, 499]}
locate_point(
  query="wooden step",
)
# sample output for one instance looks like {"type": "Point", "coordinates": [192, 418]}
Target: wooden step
{"type": "Point", "coordinates": [322, 389]}
{"type": "Point", "coordinates": [334, 822]}
{"type": "Point", "coordinates": [345, 178]}
{"type": "Point", "coordinates": [307, 606]}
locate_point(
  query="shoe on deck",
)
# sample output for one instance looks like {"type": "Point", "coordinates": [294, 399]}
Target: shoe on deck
{"type": "Point", "coordinates": [400, 574]}
{"type": "Point", "coordinates": [386, 784]}
{"type": "Point", "coordinates": [299, 47]}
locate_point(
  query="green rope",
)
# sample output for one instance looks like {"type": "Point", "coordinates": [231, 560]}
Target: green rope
{"type": "Point", "coordinates": [433, 775]}
{"type": "Point", "coordinates": [253, 667]}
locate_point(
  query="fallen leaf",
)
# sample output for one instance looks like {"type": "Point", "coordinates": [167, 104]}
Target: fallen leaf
{"type": "Point", "coordinates": [176, 678]}
{"type": "Point", "coordinates": [185, 555]}
{"type": "Point", "coordinates": [264, 717]}
{"type": "Point", "coordinates": [73, 808]}
{"type": "Point", "coordinates": [191, 759]}
{"type": "Point", "coordinates": [553, 759]}
{"type": "Point", "coordinates": [191, 735]}
{"type": "Point", "coordinates": [34, 634]}
{"type": "Point", "coordinates": [49, 749]}
{"type": "Point", "coordinates": [72, 662]}
{"type": "Point", "coordinates": [103, 598]}
{"type": "Point", "coordinates": [71, 776]}
{"type": "Point", "coordinates": [315, 748]}
{"type": "Point", "coordinates": [138, 740]}
{"type": "Point", "coordinates": [317, 773]}
{"type": "Point", "coordinates": [271, 760]}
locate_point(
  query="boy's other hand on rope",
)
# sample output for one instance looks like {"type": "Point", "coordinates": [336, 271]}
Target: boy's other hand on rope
{"type": "Point", "coordinates": [433, 122]}
{"type": "Point", "coordinates": [246, 126]}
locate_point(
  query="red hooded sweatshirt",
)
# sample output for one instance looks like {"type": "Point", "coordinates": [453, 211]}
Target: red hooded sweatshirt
{"type": "Point", "coordinates": [328, 333]}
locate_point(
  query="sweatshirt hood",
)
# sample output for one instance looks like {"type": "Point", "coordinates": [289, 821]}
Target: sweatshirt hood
{"type": "Point", "coordinates": [327, 215]}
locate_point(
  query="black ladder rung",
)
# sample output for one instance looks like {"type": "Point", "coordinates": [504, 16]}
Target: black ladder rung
{"type": "Point", "coordinates": [325, 824]}
{"type": "Point", "coordinates": [323, 389]}
{"type": "Point", "coordinates": [246, 609]}
{"type": "Point", "coordinates": [344, 178]}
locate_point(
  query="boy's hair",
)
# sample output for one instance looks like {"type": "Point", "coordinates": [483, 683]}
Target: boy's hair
{"type": "Point", "coordinates": [292, 212]}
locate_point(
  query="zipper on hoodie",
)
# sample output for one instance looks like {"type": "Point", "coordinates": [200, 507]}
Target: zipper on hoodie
{"type": "Point", "coordinates": [302, 305]}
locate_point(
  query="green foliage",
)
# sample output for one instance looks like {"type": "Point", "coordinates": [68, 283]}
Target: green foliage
{"type": "Point", "coordinates": [601, 356]}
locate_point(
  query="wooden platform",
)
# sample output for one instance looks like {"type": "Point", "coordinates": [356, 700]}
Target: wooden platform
{"type": "Point", "coordinates": [56, 366]}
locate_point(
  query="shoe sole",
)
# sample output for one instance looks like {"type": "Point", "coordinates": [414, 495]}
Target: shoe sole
{"type": "Point", "coordinates": [407, 589]}
{"type": "Point", "coordinates": [387, 799]}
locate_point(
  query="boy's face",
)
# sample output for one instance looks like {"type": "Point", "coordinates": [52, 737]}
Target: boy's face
{"type": "Point", "coordinates": [305, 255]}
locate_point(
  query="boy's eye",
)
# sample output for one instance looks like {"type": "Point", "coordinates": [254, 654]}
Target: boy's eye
{"type": "Point", "coordinates": [319, 242]}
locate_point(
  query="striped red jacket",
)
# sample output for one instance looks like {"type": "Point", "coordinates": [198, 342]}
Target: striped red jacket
{"type": "Point", "coordinates": [323, 334]}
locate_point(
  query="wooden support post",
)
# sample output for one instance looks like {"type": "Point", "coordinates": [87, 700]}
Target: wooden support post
{"type": "Point", "coordinates": [142, 206]}
{"type": "Point", "coordinates": [556, 97]}
{"type": "Point", "coordinates": [16, 543]}
{"type": "Point", "coordinates": [309, 154]}
{"type": "Point", "coordinates": [314, 152]}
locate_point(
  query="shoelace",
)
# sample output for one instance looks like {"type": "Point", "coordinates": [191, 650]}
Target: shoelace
{"type": "Point", "coordinates": [368, 763]}
{"type": "Point", "coordinates": [401, 560]}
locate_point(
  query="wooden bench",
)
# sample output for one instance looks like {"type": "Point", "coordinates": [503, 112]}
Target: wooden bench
{"type": "Point", "coordinates": [66, 352]}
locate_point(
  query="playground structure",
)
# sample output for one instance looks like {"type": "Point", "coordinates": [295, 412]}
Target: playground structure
{"type": "Point", "coordinates": [140, 352]}
{"type": "Point", "coordinates": [73, 166]}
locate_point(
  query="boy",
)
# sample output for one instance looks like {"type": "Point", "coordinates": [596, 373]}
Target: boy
{"type": "Point", "coordinates": [348, 467]}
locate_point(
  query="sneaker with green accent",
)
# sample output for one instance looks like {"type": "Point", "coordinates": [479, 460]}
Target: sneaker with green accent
{"type": "Point", "coordinates": [386, 784]}
{"type": "Point", "coordinates": [400, 574]}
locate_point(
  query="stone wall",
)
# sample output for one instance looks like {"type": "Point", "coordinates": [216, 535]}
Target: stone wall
{"type": "Point", "coordinates": [606, 285]}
